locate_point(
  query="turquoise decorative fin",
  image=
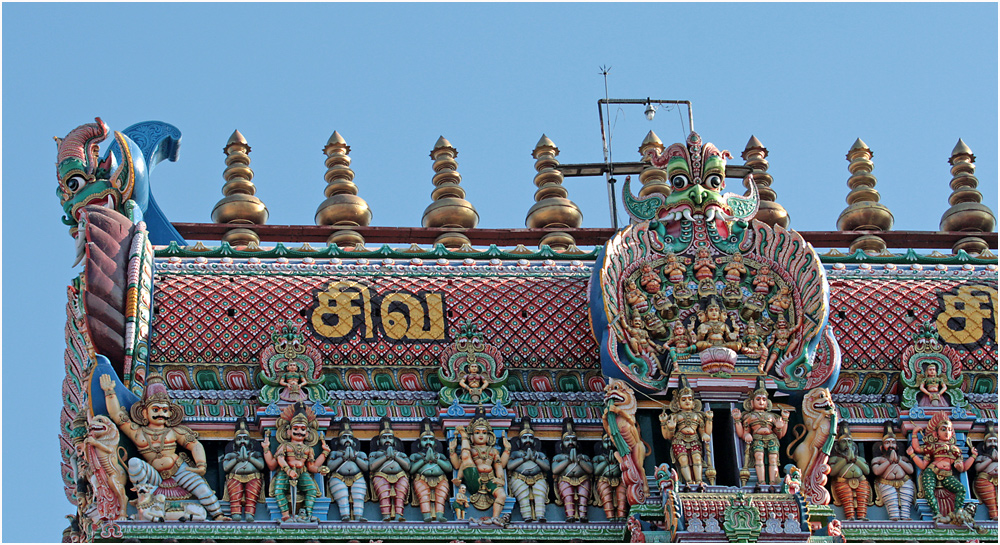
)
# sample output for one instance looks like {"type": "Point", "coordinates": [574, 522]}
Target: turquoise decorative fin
{"type": "Point", "coordinates": [641, 209]}
{"type": "Point", "coordinates": [744, 208]}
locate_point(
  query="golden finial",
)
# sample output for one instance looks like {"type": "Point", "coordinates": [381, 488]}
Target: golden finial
{"type": "Point", "coordinates": [342, 207]}
{"type": "Point", "coordinates": [552, 208]}
{"type": "Point", "coordinates": [449, 209]}
{"type": "Point", "coordinates": [864, 212]}
{"type": "Point", "coordinates": [770, 212]}
{"type": "Point", "coordinates": [967, 213]}
{"type": "Point", "coordinates": [239, 206]}
{"type": "Point", "coordinates": [654, 180]}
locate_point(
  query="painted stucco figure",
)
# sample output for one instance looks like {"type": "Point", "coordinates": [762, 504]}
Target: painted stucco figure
{"type": "Point", "coordinates": [689, 429]}
{"type": "Point", "coordinates": [431, 469]}
{"type": "Point", "coordinates": [390, 468]}
{"type": "Point", "coordinates": [849, 471]}
{"type": "Point", "coordinates": [480, 465]}
{"type": "Point", "coordinates": [813, 443]}
{"type": "Point", "coordinates": [630, 450]}
{"type": "Point", "coordinates": [572, 472]}
{"type": "Point", "coordinates": [528, 468]}
{"type": "Point", "coordinates": [985, 484]}
{"type": "Point", "coordinates": [102, 468]}
{"type": "Point", "coordinates": [894, 486]}
{"type": "Point", "coordinates": [154, 426]}
{"type": "Point", "coordinates": [346, 480]}
{"type": "Point", "coordinates": [940, 464]}
{"type": "Point", "coordinates": [761, 429]}
{"type": "Point", "coordinates": [609, 488]}
{"type": "Point", "coordinates": [243, 464]}
{"type": "Point", "coordinates": [296, 462]}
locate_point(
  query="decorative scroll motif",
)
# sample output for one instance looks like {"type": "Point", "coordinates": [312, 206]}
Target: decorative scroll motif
{"type": "Point", "coordinates": [472, 371]}
{"type": "Point", "coordinates": [819, 415]}
{"type": "Point", "coordinates": [741, 520]}
{"type": "Point", "coordinates": [630, 450]}
{"type": "Point", "coordinates": [931, 372]}
{"type": "Point", "coordinates": [700, 277]}
{"type": "Point", "coordinates": [291, 370]}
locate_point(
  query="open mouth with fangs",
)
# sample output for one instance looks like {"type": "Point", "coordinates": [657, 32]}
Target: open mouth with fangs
{"type": "Point", "coordinates": [107, 200]}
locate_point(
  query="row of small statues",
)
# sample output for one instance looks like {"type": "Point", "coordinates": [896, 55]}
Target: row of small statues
{"type": "Point", "coordinates": [937, 456]}
{"type": "Point", "coordinates": [392, 474]}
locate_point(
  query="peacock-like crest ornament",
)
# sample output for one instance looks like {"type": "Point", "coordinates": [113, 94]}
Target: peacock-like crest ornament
{"type": "Point", "coordinates": [291, 370]}
{"type": "Point", "coordinates": [472, 371]}
{"type": "Point", "coordinates": [931, 372]}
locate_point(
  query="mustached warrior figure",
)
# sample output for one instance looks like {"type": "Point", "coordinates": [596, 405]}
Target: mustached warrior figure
{"type": "Point", "coordinates": [528, 466]}
{"type": "Point", "coordinates": [346, 481]}
{"type": "Point", "coordinates": [243, 464]}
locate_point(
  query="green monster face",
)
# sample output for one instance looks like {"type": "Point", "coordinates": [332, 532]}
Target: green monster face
{"type": "Point", "coordinates": [83, 179]}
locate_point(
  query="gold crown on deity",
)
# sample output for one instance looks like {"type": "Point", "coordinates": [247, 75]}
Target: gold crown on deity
{"type": "Point", "coordinates": [426, 428]}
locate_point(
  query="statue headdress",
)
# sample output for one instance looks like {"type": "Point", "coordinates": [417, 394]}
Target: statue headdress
{"type": "Point", "coordinates": [568, 427]}
{"type": "Point", "coordinates": [385, 425]}
{"type": "Point", "coordinates": [242, 428]}
{"type": "Point", "coordinates": [156, 392]}
{"type": "Point", "coordinates": [936, 421]}
{"type": "Point", "coordinates": [526, 427]}
{"type": "Point", "coordinates": [345, 427]}
{"type": "Point", "coordinates": [479, 419]}
{"type": "Point", "coordinates": [426, 428]}
{"type": "Point", "coordinates": [890, 432]}
{"type": "Point", "coordinates": [760, 389]}
{"type": "Point", "coordinates": [298, 413]}
{"type": "Point", "coordinates": [683, 389]}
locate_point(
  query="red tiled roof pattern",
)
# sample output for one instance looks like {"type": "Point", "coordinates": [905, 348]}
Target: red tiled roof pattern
{"type": "Point", "coordinates": [876, 328]}
{"type": "Point", "coordinates": [534, 321]}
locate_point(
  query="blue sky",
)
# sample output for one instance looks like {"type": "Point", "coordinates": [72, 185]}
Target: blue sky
{"type": "Point", "coordinates": [806, 79]}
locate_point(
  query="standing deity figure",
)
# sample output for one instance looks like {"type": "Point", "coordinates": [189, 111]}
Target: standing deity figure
{"type": "Point", "coordinates": [389, 471]}
{"type": "Point", "coordinates": [528, 466]}
{"type": "Point", "coordinates": [985, 484]}
{"type": "Point", "coordinates": [611, 489]}
{"type": "Point", "coordinates": [296, 461]}
{"type": "Point", "coordinates": [572, 472]}
{"type": "Point", "coordinates": [942, 459]}
{"type": "Point", "coordinates": [689, 430]}
{"type": "Point", "coordinates": [894, 485]}
{"type": "Point", "coordinates": [761, 429]}
{"type": "Point", "coordinates": [346, 480]}
{"type": "Point", "coordinates": [244, 466]}
{"type": "Point", "coordinates": [461, 503]}
{"type": "Point", "coordinates": [848, 469]}
{"type": "Point", "coordinates": [154, 425]}
{"type": "Point", "coordinates": [480, 465]}
{"type": "Point", "coordinates": [783, 343]}
{"type": "Point", "coordinates": [430, 468]}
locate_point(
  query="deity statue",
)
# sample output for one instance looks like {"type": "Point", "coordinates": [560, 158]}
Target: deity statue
{"type": "Point", "coordinates": [389, 466]}
{"type": "Point", "coordinates": [527, 466]}
{"type": "Point", "coordinates": [654, 325]}
{"type": "Point", "coordinates": [985, 484]}
{"type": "Point", "coordinates": [611, 489]}
{"type": "Point", "coordinates": [894, 485]}
{"type": "Point", "coordinates": [780, 303]}
{"type": "Point", "coordinates": [784, 342]}
{"type": "Point", "coordinates": [682, 340]}
{"type": "Point", "coordinates": [942, 459]}
{"type": "Point", "coordinates": [473, 382]}
{"type": "Point", "coordinates": [480, 465]}
{"type": "Point", "coordinates": [296, 461]}
{"type": "Point", "coordinates": [665, 306]}
{"type": "Point", "coordinates": [636, 299]}
{"type": "Point", "coordinates": [244, 466]}
{"type": "Point", "coordinates": [763, 280]}
{"type": "Point", "coordinates": [650, 279]}
{"type": "Point", "coordinates": [154, 425]}
{"type": "Point", "coordinates": [735, 269]}
{"type": "Point", "coordinates": [461, 503]}
{"type": "Point", "coordinates": [753, 342]}
{"type": "Point", "coordinates": [346, 480]}
{"type": "Point", "coordinates": [848, 469]}
{"type": "Point", "coordinates": [689, 430]}
{"type": "Point", "coordinates": [572, 472]}
{"type": "Point", "coordinates": [430, 468]}
{"type": "Point", "coordinates": [933, 386]}
{"type": "Point", "coordinates": [793, 480]}
{"type": "Point", "coordinates": [639, 341]}
{"type": "Point", "coordinates": [704, 266]}
{"type": "Point", "coordinates": [674, 269]}
{"type": "Point", "coordinates": [761, 429]}
{"type": "Point", "coordinates": [293, 381]}
{"type": "Point", "coordinates": [714, 331]}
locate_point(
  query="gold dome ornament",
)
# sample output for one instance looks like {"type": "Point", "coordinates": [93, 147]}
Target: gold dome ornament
{"type": "Point", "coordinates": [654, 180]}
{"type": "Point", "coordinates": [770, 211]}
{"type": "Point", "coordinates": [239, 206]}
{"type": "Point", "coordinates": [967, 213]}
{"type": "Point", "coordinates": [552, 208]}
{"type": "Point", "coordinates": [449, 209]}
{"type": "Point", "coordinates": [342, 207]}
{"type": "Point", "coordinates": [864, 212]}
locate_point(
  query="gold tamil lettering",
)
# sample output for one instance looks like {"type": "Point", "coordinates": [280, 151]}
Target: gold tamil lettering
{"type": "Point", "coordinates": [338, 301]}
{"type": "Point", "coordinates": [972, 306]}
{"type": "Point", "coordinates": [409, 324]}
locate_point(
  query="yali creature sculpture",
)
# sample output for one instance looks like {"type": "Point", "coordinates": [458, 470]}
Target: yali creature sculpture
{"type": "Point", "coordinates": [630, 450]}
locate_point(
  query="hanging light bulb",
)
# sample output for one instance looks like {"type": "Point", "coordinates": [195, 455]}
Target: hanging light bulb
{"type": "Point", "coordinates": [650, 111]}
